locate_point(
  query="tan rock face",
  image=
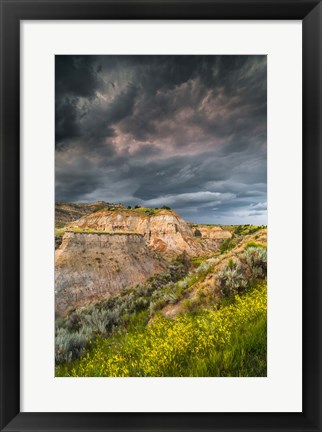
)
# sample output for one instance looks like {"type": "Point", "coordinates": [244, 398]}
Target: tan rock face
{"type": "Point", "coordinates": [89, 267]}
{"type": "Point", "coordinates": [212, 232]}
{"type": "Point", "coordinates": [165, 232]}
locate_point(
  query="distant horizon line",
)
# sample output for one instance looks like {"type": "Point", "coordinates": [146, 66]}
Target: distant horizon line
{"type": "Point", "coordinates": [130, 207]}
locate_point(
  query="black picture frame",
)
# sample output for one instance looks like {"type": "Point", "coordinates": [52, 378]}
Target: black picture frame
{"type": "Point", "coordinates": [12, 12]}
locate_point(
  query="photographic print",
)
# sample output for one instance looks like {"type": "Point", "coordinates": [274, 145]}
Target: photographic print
{"type": "Point", "coordinates": [161, 216]}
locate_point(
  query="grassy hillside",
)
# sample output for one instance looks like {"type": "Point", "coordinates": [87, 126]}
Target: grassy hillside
{"type": "Point", "coordinates": [202, 317]}
{"type": "Point", "coordinates": [230, 341]}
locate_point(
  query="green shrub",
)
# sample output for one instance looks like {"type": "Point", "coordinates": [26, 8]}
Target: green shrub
{"type": "Point", "coordinates": [231, 280]}
{"type": "Point", "coordinates": [183, 259]}
{"type": "Point", "coordinates": [69, 346]}
{"type": "Point", "coordinates": [235, 277]}
{"type": "Point", "coordinates": [200, 294]}
{"type": "Point", "coordinates": [190, 305]}
{"type": "Point", "coordinates": [197, 233]}
{"type": "Point", "coordinates": [196, 261]}
{"type": "Point", "coordinates": [256, 260]}
{"type": "Point", "coordinates": [226, 245]}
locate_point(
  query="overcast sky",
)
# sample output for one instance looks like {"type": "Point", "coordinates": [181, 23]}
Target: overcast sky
{"type": "Point", "coordinates": [183, 131]}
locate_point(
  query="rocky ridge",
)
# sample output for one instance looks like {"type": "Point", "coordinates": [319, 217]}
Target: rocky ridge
{"type": "Point", "coordinates": [67, 212]}
{"type": "Point", "coordinates": [114, 248]}
{"type": "Point", "coordinates": [164, 230]}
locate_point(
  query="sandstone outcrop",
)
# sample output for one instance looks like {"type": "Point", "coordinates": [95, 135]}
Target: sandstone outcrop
{"type": "Point", "coordinates": [212, 232]}
{"type": "Point", "coordinates": [164, 230]}
{"type": "Point", "coordinates": [89, 267]}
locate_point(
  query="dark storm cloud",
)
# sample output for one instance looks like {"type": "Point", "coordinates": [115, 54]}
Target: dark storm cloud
{"type": "Point", "coordinates": [76, 75]}
{"type": "Point", "coordinates": [187, 131]}
{"type": "Point", "coordinates": [66, 120]}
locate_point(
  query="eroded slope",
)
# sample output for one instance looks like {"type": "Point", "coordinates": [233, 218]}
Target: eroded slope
{"type": "Point", "coordinates": [89, 267]}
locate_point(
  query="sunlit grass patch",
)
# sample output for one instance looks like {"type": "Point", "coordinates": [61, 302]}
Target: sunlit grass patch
{"type": "Point", "coordinates": [59, 232]}
{"type": "Point", "coordinates": [229, 341]}
{"type": "Point", "coordinates": [256, 245]}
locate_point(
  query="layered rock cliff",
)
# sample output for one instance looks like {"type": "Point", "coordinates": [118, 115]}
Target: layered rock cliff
{"type": "Point", "coordinates": [89, 267]}
{"type": "Point", "coordinates": [164, 230]}
{"type": "Point", "coordinates": [116, 248]}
